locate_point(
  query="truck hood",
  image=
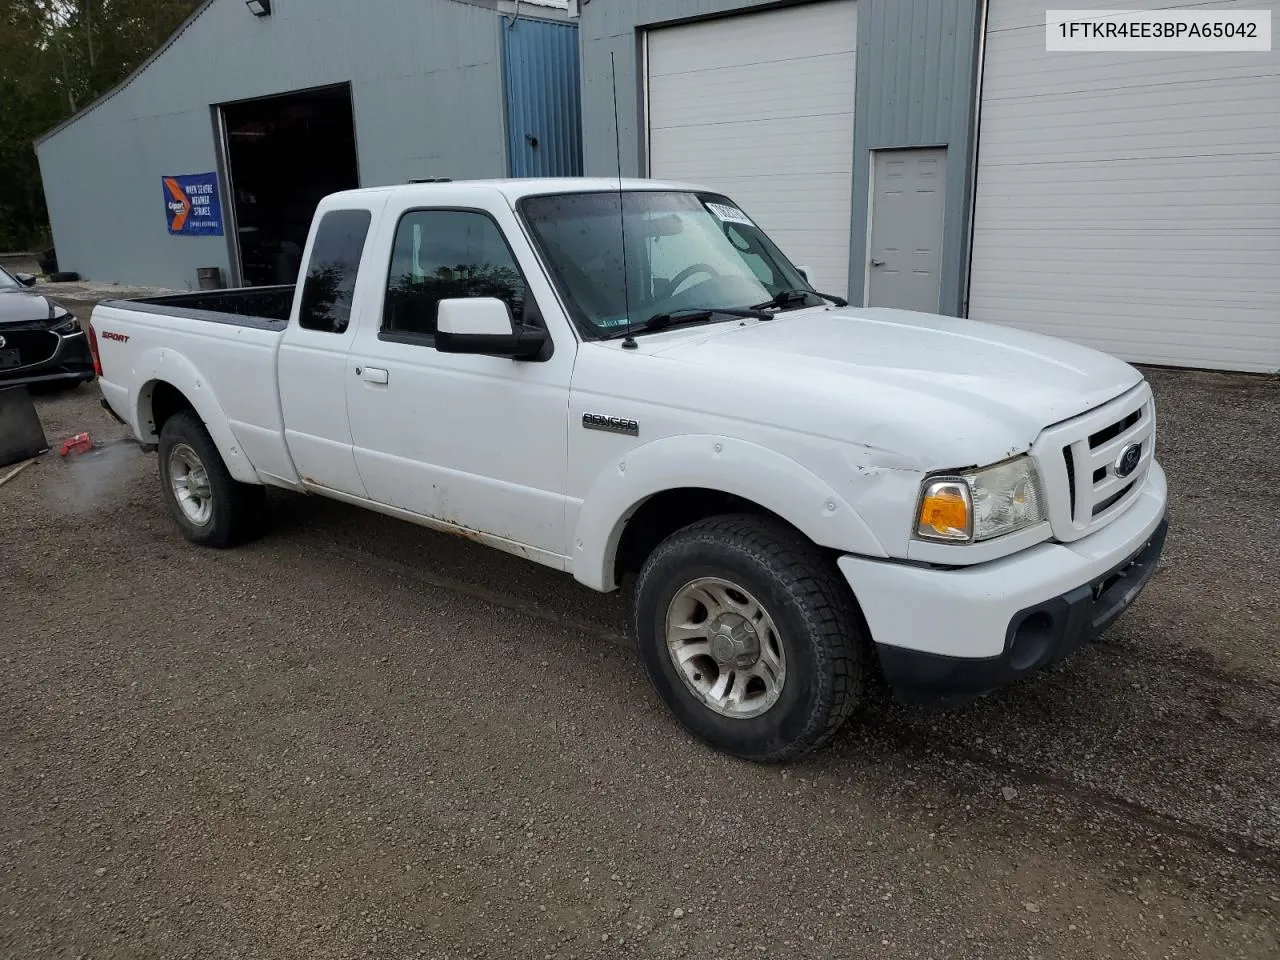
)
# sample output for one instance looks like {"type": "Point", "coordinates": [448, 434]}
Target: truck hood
{"type": "Point", "coordinates": [883, 372]}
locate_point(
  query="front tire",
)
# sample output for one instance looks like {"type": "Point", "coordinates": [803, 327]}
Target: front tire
{"type": "Point", "coordinates": [210, 507]}
{"type": "Point", "coordinates": [750, 637]}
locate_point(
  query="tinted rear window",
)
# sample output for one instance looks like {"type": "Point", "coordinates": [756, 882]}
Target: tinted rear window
{"type": "Point", "coordinates": [331, 274]}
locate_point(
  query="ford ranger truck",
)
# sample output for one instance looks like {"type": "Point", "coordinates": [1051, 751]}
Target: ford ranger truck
{"type": "Point", "coordinates": [628, 381]}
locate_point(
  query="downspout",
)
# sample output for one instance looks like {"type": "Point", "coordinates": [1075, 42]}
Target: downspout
{"type": "Point", "coordinates": [974, 135]}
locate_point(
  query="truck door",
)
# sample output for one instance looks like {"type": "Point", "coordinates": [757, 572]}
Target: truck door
{"type": "Point", "coordinates": [312, 362]}
{"type": "Point", "coordinates": [477, 442]}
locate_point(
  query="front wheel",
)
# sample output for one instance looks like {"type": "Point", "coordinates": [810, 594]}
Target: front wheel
{"type": "Point", "coordinates": [210, 507]}
{"type": "Point", "coordinates": [750, 638]}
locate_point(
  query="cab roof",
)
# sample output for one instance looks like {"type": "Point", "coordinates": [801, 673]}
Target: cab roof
{"type": "Point", "coordinates": [517, 187]}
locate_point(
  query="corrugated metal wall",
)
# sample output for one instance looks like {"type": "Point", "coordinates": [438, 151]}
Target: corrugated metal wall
{"type": "Point", "coordinates": [914, 87]}
{"type": "Point", "coordinates": [543, 97]}
{"type": "Point", "coordinates": [426, 83]}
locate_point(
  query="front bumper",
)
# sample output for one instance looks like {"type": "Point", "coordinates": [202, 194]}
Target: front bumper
{"type": "Point", "coordinates": [1036, 638]}
{"type": "Point", "coordinates": [944, 635]}
{"type": "Point", "coordinates": [70, 361]}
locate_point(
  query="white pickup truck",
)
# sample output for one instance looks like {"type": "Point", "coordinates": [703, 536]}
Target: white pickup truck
{"type": "Point", "coordinates": [616, 378]}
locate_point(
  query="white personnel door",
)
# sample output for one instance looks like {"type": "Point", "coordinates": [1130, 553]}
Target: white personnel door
{"type": "Point", "coordinates": [908, 204]}
{"type": "Point", "coordinates": [759, 106]}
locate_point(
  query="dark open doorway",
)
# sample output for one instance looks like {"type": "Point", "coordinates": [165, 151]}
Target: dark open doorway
{"type": "Point", "coordinates": [284, 154]}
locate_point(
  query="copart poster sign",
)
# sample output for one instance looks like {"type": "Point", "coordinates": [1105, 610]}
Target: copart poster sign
{"type": "Point", "coordinates": [192, 206]}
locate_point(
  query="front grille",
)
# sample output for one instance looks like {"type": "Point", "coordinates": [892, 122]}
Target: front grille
{"type": "Point", "coordinates": [1103, 505]}
{"type": "Point", "coordinates": [1114, 430]}
{"type": "Point", "coordinates": [1069, 457]}
{"type": "Point", "coordinates": [32, 346]}
{"type": "Point", "coordinates": [1078, 463]}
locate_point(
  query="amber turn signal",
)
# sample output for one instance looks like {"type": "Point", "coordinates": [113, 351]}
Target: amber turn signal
{"type": "Point", "coordinates": [945, 511]}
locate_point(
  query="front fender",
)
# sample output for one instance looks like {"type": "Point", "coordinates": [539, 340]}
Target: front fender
{"type": "Point", "coordinates": [727, 465]}
{"type": "Point", "coordinates": [163, 365]}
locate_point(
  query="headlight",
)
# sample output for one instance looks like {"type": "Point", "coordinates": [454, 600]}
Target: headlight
{"type": "Point", "coordinates": [982, 504]}
{"type": "Point", "coordinates": [68, 326]}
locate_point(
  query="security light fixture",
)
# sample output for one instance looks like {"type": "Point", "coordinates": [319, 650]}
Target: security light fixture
{"type": "Point", "coordinates": [259, 8]}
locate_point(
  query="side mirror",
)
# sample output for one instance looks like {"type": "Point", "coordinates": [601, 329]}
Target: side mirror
{"type": "Point", "coordinates": [483, 325]}
{"type": "Point", "coordinates": [26, 279]}
{"type": "Point", "coordinates": [807, 273]}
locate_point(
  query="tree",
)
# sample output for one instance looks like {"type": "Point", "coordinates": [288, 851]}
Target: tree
{"type": "Point", "coordinates": [56, 57]}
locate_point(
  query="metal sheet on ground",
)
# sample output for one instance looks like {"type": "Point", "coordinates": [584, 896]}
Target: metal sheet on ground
{"type": "Point", "coordinates": [21, 433]}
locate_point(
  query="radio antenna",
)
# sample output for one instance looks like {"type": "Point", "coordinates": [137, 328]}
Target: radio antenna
{"type": "Point", "coordinates": [630, 342]}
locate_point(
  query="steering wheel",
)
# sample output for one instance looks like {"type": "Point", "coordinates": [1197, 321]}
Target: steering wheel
{"type": "Point", "coordinates": [688, 272]}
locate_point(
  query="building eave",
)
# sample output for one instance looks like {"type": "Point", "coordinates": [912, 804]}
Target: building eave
{"type": "Point", "coordinates": [83, 111]}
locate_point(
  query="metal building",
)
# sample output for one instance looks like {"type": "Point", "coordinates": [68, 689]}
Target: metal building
{"type": "Point", "coordinates": [213, 154]}
{"type": "Point", "coordinates": [932, 154]}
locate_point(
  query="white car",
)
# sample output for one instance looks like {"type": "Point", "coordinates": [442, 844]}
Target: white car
{"type": "Point", "coordinates": [806, 491]}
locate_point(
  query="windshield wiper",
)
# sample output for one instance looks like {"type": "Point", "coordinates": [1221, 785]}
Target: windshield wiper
{"type": "Point", "coordinates": [784, 298]}
{"type": "Point", "coordinates": [660, 321]}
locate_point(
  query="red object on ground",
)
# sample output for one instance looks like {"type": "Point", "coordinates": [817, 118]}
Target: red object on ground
{"type": "Point", "coordinates": [80, 443]}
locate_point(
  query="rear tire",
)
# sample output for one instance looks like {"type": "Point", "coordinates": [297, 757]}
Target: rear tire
{"type": "Point", "coordinates": [785, 655]}
{"type": "Point", "coordinates": [210, 507]}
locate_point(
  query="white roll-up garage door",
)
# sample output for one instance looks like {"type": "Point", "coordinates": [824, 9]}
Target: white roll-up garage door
{"type": "Point", "coordinates": [759, 106]}
{"type": "Point", "coordinates": [1130, 201]}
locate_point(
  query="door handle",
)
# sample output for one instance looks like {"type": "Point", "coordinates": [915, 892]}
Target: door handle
{"type": "Point", "coordinates": [877, 263]}
{"type": "Point", "coordinates": [372, 374]}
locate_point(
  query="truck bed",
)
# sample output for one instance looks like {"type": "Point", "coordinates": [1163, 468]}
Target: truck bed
{"type": "Point", "coordinates": [218, 349]}
{"type": "Point", "coordinates": [266, 308]}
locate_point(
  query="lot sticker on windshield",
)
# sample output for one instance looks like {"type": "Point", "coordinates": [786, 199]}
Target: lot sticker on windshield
{"type": "Point", "coordinates": [729, 214]}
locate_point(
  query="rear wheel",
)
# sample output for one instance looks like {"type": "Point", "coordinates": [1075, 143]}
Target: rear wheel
{"type": "Point", "coordinates": [210, 507]}
{"type": "Point", "coordinates": [750, 637]}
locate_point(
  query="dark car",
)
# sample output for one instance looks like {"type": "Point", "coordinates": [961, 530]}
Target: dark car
{"type": "Point", "coordinates": [41, 344]}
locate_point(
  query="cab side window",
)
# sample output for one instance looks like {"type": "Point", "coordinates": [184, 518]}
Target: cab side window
{"type": "Point", "coordinates": [442, 255]}
{"type": "Point", "coordinates": [330, 282]}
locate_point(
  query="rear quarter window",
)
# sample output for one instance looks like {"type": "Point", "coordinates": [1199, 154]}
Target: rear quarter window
{"type": "Point", "coordinates": [330, 281]}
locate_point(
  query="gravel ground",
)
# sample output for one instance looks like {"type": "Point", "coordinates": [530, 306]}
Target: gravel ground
{"type": "Point", "coordinates": [359, 738]}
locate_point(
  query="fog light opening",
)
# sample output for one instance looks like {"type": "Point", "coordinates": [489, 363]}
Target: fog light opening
{"type": "Point", "coordinates": [1031, 641]}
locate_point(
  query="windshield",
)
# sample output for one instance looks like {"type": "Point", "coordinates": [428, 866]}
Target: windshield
{"type": "Point", "coordinates": [684, 251]}
{"type": "Point", "coordinates": [7, 281]}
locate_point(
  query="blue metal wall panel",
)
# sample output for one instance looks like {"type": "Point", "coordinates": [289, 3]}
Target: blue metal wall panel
{"type": "Point", "coordinates": [544, 112]}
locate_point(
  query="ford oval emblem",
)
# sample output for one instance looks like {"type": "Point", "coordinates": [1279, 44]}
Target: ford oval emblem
{"type": "Point", "coordinates": [1127, 462]}
{"type": "Point", "coordinates": [3, 341]}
